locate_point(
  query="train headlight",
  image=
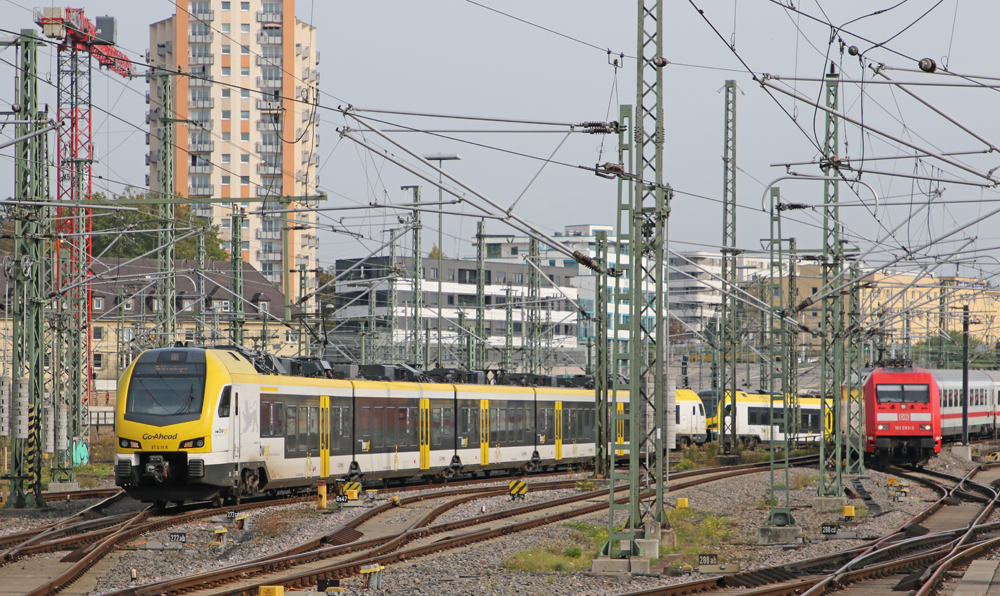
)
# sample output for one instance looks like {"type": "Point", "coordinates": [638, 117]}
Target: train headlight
{"type": "Point", "coordinates": [881, 427]}
{"type": "Point", "coordinates": [129, 443]}
{"type": "Point", "coordinates": [925, 427]}
{"type": "Point", "coordinates": [193, 443]}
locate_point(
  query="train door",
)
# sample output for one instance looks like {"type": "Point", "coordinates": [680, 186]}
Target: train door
{"type": "Point", "coordinates": [484, 431]}
{"type": "Point", "coordinates": [324, 436]}
{"type": "Point", "coordinates": [233, 429]}
{"type": "Point", "coordinates": [559, 430]}
{"type": "Point", "coordinates": [425, 433]}
{"type": "Point", "coordinates": [620, 427]}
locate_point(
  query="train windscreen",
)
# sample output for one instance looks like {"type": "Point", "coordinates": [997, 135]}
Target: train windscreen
{"type": "Point", "coordinates": [711, 401]}
{"type": "Point", "coordinates": [900, 394]}
{"type": "Point", "coordinates": [166, 389]}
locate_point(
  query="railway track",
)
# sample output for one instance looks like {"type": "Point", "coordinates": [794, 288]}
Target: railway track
{"type": "Point", "coordinates": [915, 556]}
{"type": "Point", "coordinates": [418, 540]}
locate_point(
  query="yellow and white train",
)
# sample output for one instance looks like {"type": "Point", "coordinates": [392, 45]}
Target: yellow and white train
{"type": "Point", "coordinates": [753, 418]}
{"type": "Point", "coordinates": [211, 424]}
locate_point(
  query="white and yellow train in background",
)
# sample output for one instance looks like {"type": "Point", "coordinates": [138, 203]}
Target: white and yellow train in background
{"type": "Point", "coordinates": [206, 424]}
{"type": "Point", "coordinates": [753, 418]}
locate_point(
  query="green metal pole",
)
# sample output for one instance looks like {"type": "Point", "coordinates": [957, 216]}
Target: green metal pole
{"type": "Point", "coordinates": [780, 512]}
{"type": "Point", "coordinates": [832, 369]}
{"type": "Point", "coordinates": [602, 456]}
{"type": "Point", "coordinates": [418, 276]}
{"type": "Point", "coordinates": [236, 324]}
{"type": "Point", "coordinates": [728, 339]}
{"type": "Point", "coordinates": [479, 356]}
{"type": "Point", "coordinates": [166, 289]}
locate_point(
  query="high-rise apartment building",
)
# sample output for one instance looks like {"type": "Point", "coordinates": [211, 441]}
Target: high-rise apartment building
{"type": "Point", "coordinates": [244, 125]}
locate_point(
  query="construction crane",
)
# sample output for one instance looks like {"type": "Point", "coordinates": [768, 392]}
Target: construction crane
{"type": "Point", "coordinates": [80, 40]}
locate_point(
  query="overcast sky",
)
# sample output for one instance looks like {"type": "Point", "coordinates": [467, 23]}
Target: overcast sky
{"type": "Point", "coordinates": [457, 57]}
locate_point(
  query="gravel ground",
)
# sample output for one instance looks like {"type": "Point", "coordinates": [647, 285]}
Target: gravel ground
{"type": "Point", "coordinates": [13, 521]}
{"type": "Point", "coordinates": [480, 568]}
{"type": "Point", "coordinates": [947, 462]}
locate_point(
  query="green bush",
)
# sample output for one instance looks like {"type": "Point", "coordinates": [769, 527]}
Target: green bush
{"type": "Point", "coordinates": [711, 449]}
{"type": "Point", "coordinates": [684, 465]}
{"type": "Point", "coordinates": [573, 552]}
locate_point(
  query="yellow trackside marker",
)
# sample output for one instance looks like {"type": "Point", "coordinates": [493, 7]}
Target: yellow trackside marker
{"type": "Point", "coordinates": [517, 489]}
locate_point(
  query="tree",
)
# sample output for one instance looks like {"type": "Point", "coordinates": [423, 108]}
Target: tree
{"type": "Point", "coordinates": [134, 244]}
{"type": "Point", "coordinates": [436, 253]}
{"type": "Point", "coordinates": [946, 352]}
{"type": "Point", "coordinates": [324, 276]}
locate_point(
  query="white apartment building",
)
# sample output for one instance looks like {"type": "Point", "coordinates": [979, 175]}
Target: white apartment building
{"type": "Point", "coordinates": [244, 124]}
{"type": "Point", "coordinates": [693, 276]}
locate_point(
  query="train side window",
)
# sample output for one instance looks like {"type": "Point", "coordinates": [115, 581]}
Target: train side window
{"type": "Point", "coordinates": [494, 425]}
{"type": "Point", "coordinates": [277, 419]}
{"type": "Point", "coordinates": [522, 425]}
{"type": "Point", "coordinates": [313, 428]}
{"type": "Point", "coordinates": [303, 428]}
{"type": "Point", "coordinates": [390, 427]}
{"type": "Point", "coordinates": [225, 402]}
{"type": "Point", "coordinates": [677, 415]}
{"type": "Point", "coordinates": [473, 427]}
{"type": "Point", "coordinates": [377, 422]}
{"type": "Point", "coordinates": [436, 427]}
{"type": "Point", "coordinates": [291, 436]}
{"type": "Point", "coordinates": [265, 419]}
{"type": "Point", "coordinates": [402, 428]}
{"type": "Point", "coordinates": [502, 426]}
{"type": "Point", "coordinates": [447, 422]}
{"type": "Point", "coordinates": [334, 429]}
{"type": "Point", "coordinates": [412, 422]}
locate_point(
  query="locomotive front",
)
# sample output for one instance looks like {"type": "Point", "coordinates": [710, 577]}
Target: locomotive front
{"type": "Point", "coordinates": [902, 418]}
{"type": "Point", "coordinates": [165, 425]}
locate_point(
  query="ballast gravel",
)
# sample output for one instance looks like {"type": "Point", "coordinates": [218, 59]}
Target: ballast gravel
{"type": "Point", "coordinates": [480, 568]}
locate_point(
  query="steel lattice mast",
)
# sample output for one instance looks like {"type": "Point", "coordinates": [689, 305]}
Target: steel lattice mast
{"type": "Point", "coordinates": [24, 387]}
{"type": "Point", "coordinates": [642, 222]}
{"type": "Point", "coordinates": [832, 345]}
{"type": "Point", "coordinates": [728, 341]}
{"type": "Point", "coordinates": [74, 159]}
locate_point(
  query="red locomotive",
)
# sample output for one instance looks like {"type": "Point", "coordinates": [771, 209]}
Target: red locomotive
{"type": "Point", "coordinates": [902, 415]}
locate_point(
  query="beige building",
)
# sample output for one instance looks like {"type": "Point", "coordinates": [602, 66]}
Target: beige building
{"type": "Point", "coordinates": [907, 309]}
{"type": "Point", "coordinates": [244, 124]}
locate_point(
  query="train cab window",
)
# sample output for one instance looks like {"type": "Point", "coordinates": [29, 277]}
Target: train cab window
{"type": "Point", "coordinates": [701, 410]}
{"type": "Point", "coordinates": [224, 402]}
{"type": "Point", "coordinates": [303, 429]}
{"type": "Point", "coordinates": [291, 433]}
